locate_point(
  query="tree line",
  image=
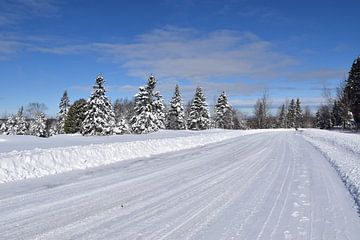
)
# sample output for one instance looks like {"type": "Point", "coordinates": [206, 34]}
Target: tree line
{"type": "Point", "coordinates": [147, 112]}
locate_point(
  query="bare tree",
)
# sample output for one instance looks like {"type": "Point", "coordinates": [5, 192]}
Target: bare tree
{"type": "Point", "coordinates": [34, 109]}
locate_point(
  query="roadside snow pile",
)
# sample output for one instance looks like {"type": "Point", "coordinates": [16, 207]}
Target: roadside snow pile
{"type": "Point", "coordinates": [343, 152]}
{"type": "Point", "coordinates": [17, 165]}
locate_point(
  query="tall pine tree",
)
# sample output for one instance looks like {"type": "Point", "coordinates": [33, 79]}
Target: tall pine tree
{"type": "Point", "coordinates": [149, 109]}
{"type": "Point", "coordinates": [223, 113]}
{"type": "Point", "coordinates": [291, 114]}
{"type": "Point", "coordinates": [64, 107]}
{"type": "Point", "coordinates": [176, 115]}
{"type": "Point", "coordinates": [38, 125]}
{"type": "Point", "coordinates": [281, 120]}
{"type": "Point", "coordinates": [99, 117]}
{"type": "Point", "coordinates": [298, 114]}
{"type": "Point", "coordinates": [352, 89]}
{"type": "Point", "coordinates": [199, 117]}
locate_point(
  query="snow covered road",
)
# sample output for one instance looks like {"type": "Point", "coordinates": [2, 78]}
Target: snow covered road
{"type": "Point", "coordinates": [263, 186]}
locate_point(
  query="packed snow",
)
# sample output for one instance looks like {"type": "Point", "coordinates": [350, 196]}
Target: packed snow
{"type": "Point", "coordinates": [343, 151]}
{"type": "Point", "coordinates": [36, 157]}
{"type": "Point", "coordinates": [267, 186]}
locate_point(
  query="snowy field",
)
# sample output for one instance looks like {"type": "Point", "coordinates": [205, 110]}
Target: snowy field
{"type": "Point", "coordinates": [181, 185]}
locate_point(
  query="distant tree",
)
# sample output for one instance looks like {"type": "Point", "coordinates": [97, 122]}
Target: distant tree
{"type": "Point", "coordinates": [309, 119]}
{"type": "Point", "coordinates": [149, 109]}
{"type": "Point", "coordinates": [99, 116]}
{"type": "Point", "coordinates": [64, 107]}
{"type": "Point", "coordinates": [291, 114]}
{"type": "Point", "coordinates": [352, 89]}
{"type": "Point", "coordinates": [281, 119]}
{"type": "Point", "coordinates": [262, 111]}
{"type": "Point", "coordinates": [223, 113]}
{"type": "Point", "coordinates": [34, 109]}
{"type": "Point", "coordinates": [176, 115]}
{"type": "Point", "coordinates": [38, 126]}
{"type": "Point", "coordinates": [21, 124]}
{"type": "Point", "coordinates": [124, 109]}
{"type": "Point", "coordinates": [238, 120]}
{"type": "Point", "coordinates": [15, 124]}
{"type": "Point", "coordinates": [324, 117]}
{"type": "Point", "coordinates": [199, 117]}
{"type": "Point", "coordinates": [299, 118]}
{"type": "Point", "coordinates": [75, 116]}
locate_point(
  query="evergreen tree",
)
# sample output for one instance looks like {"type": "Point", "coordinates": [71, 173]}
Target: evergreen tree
{"type": "Point", "coordinates": [199, 117]}
{"type": "Point", "coordinates": [324, 117]}
{"type": "Point", "coordinates": [281, 120]}
{"type": "Point", "coordinates": [38, 126]}
{"type": "Point", "coordinates": [64, 107]}
{"type": "Point", "coordinates": [21, 125]}
{"type": "Point", "coordinates": [291, 114]}
{"type": "Point", "coordinates": [75, 117]}
{"type": "Point", "coordinates": [10, 126]}
{"type": "Point", "coordinates": [298, 114]}
{"type": "Point", "coordinates": [149, 109]}
{"type": "Point", "coordinates": [144, 120]}
{"type": "Point", "coordinates": [352, 88]}
{"type": "Point", "coordinates": [121, 127]}
{"type": "Point", "coordinates": [223, 113]}
{"type": "Point", "coordinates": [176, 115]}
{"type": "Point", "coordinates": [99, 117]}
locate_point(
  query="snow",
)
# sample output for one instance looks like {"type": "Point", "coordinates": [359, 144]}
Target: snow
{"type": "Point", "coordinates": [266, 186]}
{"type": "Point", "coordinates": [36, 157]}
{"type": "Point", "coordinates": [343, 151]}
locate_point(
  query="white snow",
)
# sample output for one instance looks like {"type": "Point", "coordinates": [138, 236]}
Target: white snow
{"type": "Point", "coordinates": [65, 153]}
{"type": "Point", "coordinates": [343, 151]}
{"type": "Point", "coordinates": [267, 186]}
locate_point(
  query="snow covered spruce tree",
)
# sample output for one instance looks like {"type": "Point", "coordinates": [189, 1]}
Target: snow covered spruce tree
{"type": "Point", "coordinates": [352, 89]}
{"type": "Point", "coordinates": [15, 124]}
{"type": "Point", "coordinates": [64, 107]}
{"type": "Point", "coordinates": [21, 124]}
{"type": "Point", "coordinates": [176, 114]}
{"type": "Point", "coordinates": [199, 117]}
{"type": "Point", "coordinates": [298, 114]}
{"type": "Point", "coordinates": [99, 116]}
{"type": "Point", "coordinates": [291, 114]}
{"type": "Point", "coordinates": [282, 119]}
{"type": "Point", "coordinates": [38, 126]}
{"type": "Point", "coordinates": [149, 109]}
{"type": "Point", "coordinates": [223, 113]}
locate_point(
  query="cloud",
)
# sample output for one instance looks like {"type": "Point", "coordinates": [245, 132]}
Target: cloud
{"type": "Point", "coordinates": [178, 53]}
{"type": "Point", "coordinates": [317, 76]}
{"type": "Point", "coordinates": [14, 11]}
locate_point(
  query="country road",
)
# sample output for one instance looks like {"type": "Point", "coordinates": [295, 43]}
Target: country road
{"type": "Point", "coordinates": [267, 186]}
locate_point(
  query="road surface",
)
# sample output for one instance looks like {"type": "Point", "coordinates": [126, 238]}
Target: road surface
{"type": "Point", "coordinates": [263, 186]}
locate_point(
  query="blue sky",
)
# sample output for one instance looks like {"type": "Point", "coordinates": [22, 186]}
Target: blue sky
{"type": "Point", "coordinates": [291, 48]}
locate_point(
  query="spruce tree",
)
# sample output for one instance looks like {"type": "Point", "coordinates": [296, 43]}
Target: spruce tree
{"type": "Point", "coordinates": [149, 109]}
{"type": "Point", "coordinates": [176, 115]}
{"type": "Point", "coordinates": [10, 126]}
{"type": "Point", "coordinates": [75, 117]}
{"type": "Point", "coordinates": [291, 114]}
{"type": "Point", "coordinates": [298, 114]}
{"type": "Point", "coordinates": [144, 120]}
{"type": "Point", "coordinates": [38, 126]}
{"type": "Point", "coordinates": [223, 113]}
{"type": "Point", "coordinates": [64, 107]}
{"type": "Point", "coordinates": [281, 120]}
{"type": "Point", "coordinates": [199, 117]}
{"type": "Point", "coordinates": [99, 117]}
{"type": "Point", "coordinates": [352, 88]}
{"type": "Point", "coordinates": [21, 125]}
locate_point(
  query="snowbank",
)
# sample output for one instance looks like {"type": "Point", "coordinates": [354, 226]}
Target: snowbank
{"type": "Point", "coordinates": [343, 152]}
{"type": "Point", "coordinates": [88, 152]}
